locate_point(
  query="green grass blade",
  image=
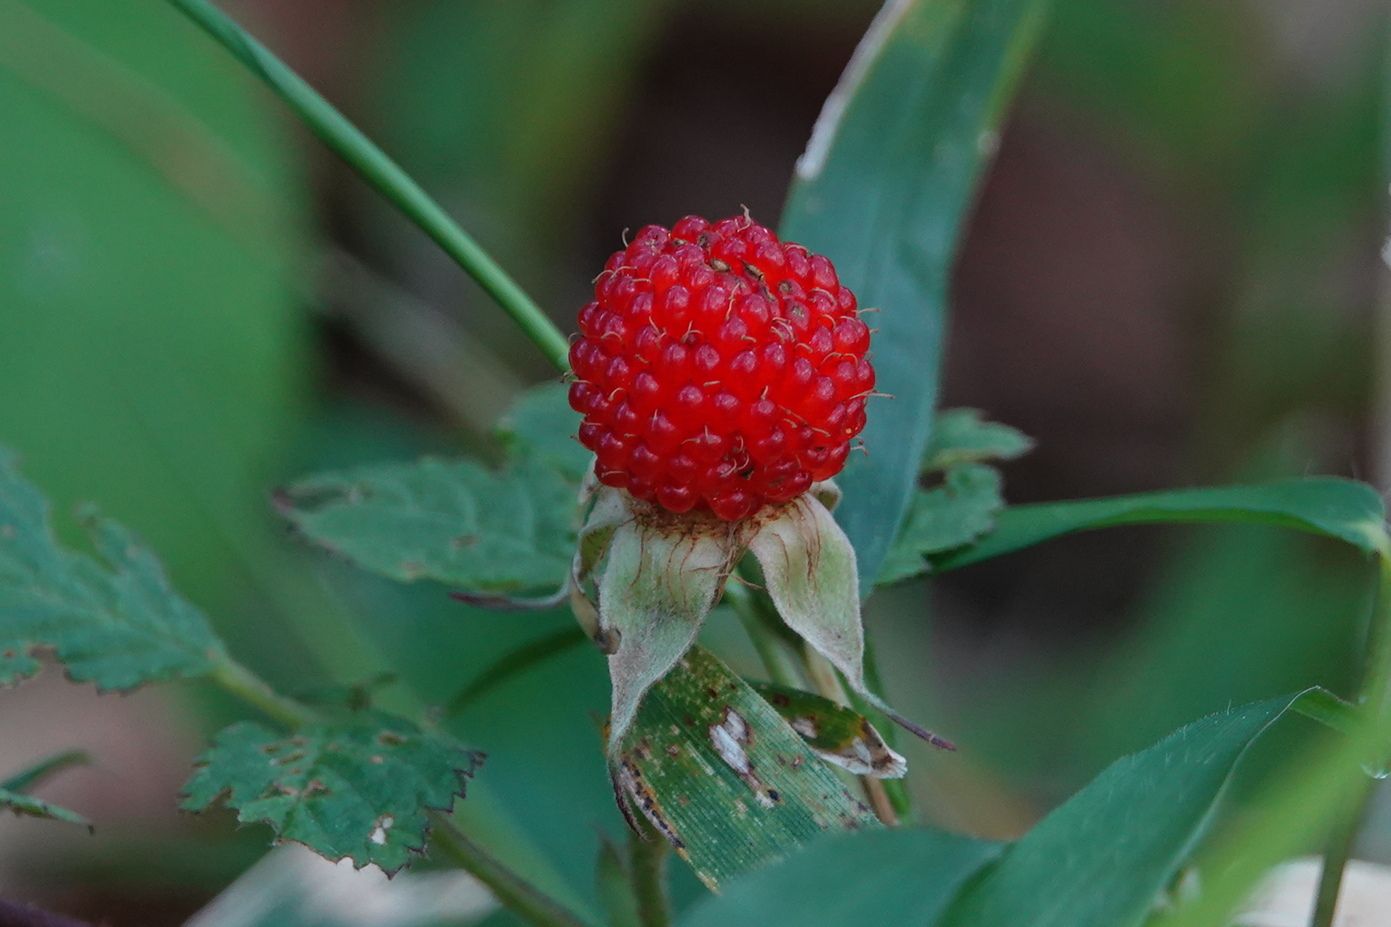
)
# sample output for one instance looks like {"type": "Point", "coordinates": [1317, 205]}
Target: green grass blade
{"type": "Point", "coordinates": [883, 190]}
{"type": "Point", "coordinates": [379, 170]}
{"type": "Point", "coordinates": [1335, 508]}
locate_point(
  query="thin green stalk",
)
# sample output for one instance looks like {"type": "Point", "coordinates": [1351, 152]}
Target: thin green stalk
{"type": "Point", "coordinates": [514, 892]}
{"type": "Point", "coordinates": [649, 855]}
{"type": "Point", "coordinates": [777, 660]}
{"type": "Point", "coordinates": [1376, 698]}
{"type": "Point", "coordinates": [379, 170]}
{"type": "Point", "coordinates": [235, 678]}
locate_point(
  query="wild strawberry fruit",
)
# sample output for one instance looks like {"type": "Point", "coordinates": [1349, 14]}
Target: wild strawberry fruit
{"type": "Point", "coordinates": [721, 373]}
{"type": "Point", "coordinates": [719, 369]}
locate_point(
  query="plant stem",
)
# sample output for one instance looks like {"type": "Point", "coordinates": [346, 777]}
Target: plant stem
{"type": "Point", "coordinates": [1376, 698]}
{"type": "Point", "coordinates": [379, 170]}
{"type": "Point", "coordinates": [779, 663]}
{"type": "Point", "coordinates": [1336, 857]}
{"type": "Point", "coordinates": [252, 689]}
{"type": "Point", "coordinates": [514, 892]}
{"type": "Point", "coordinates": [649, 856]}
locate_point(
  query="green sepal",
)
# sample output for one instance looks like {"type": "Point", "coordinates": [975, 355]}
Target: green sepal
{"type": "Point", "coordinates": [810, 573]}
{"type": "Point", "coordinates": [660, 579]}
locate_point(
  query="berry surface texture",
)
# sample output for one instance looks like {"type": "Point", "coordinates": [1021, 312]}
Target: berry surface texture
{"type": "Point", "coordinates": [719, 369]}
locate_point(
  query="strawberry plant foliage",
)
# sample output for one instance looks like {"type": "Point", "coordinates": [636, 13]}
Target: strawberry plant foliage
{"type": "Point", "coordinates": [452, 521]}
{"type": "Point", "coordinates": [961, 436]}
{"type": "Point", "coordinates": [113, 621]}
{"type": "Point", "coordinates": [362, 789]}
{"type": "Point", "coordinates": [14, 795]}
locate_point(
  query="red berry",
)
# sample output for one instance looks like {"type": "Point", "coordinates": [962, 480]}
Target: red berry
{"type": "Point", "coordinates": [719, 369]}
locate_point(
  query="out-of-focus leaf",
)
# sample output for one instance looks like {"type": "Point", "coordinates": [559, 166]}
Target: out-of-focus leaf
{"type": "Point", "coordinates": [291, 887]}
{"type": "Point", "coordinates": [541, 425]}
{"type": "Point", "coordinates": [115, 622]}
{"type": "Point", "coordinates": [961, 436]}
{"type": "Point", "coordinates": [898, 877]}
{"type": "Point", "coordinates": [452, 521]}
{"type": "Point", "coordinates": [723, 777]}
{"type": "Point", "coordinates": [882, 190]}
{"type": "Point", "coordinates": [149, 319]}
{"type": "Point", "coordinates": [1141, 818]}
{"type": "Point", "coordinates": [13, 797]}
{"type": "Point", "coordinates": [1336, 508]}
{"type": "Point", "coordinates": [37, 772]}
{"type": "Point", "coordinates": [29, 806]}
{"type": "Point", "coordinates": [360, 790]}
{"type": "Point", "coordinates": [944, 518]}
{"type": "Point", "coordinates": [838, 734]}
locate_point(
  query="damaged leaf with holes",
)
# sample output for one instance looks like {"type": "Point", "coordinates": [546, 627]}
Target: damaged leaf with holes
{"type": "Point", "coordinates": [113, 621]}
{"type": "Point", "coordinates": [361, 790]}
{"type": "Point", "coordinates": [724, 777]}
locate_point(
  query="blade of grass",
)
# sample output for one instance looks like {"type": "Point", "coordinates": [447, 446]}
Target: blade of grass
{"type": "Point", "coordinates": [379, 170]}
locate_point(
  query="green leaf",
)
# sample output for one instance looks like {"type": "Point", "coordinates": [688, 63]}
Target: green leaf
{"type": "Point", "coordinates": [12, 797]}
{"type": "Point", "coordinates": [961, 436]}
{"type": "Point", "coordinates": [115, 622]}
{"type": "Point", "coordinates": [151, 177]}
{"type": "Point", "coordinates": [452, 521]}
{"type": "Point", "coordinates": [944, 518]}
{"type": "Point", "coordinates": [658, 584]}
{"type": "Point", "coordinates": [837, 734]}
{"type": "Point", "coordinates": [29, 806]}
{"type": "Point", "coordinates": [1335, 508]}
{"type": "Point", "coordinates": [886, 877]}
{"type": "Point", "coordinates": [723, 777]}
{"type": "Point", "coordinates": [1102, 858]}
{"type": "Point", "coordinates": [360, 790]}
{"type": "Point", "coordinates": [542, 426]}
{"type": "Point", "coordinates": [882, 190]}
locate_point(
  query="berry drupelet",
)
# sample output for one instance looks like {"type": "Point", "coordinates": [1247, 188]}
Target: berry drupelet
{"type": "Point", "coordinates": [718, 368]}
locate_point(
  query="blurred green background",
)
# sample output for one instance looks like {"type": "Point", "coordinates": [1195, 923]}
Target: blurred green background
{"type": "Point", "coordinates": [1172, 277]}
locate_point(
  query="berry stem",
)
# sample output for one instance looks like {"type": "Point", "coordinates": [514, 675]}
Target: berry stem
{"type": "Point", "coordinates": [649, 862]}
{"type": "Point", "coordinates": [379, 170]}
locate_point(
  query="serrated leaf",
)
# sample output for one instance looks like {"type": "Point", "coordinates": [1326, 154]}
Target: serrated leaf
{"type": "Point", "coordinates": [722, 775]}
{"type": "Point", "coordinates": [541, 425]}
{"type": "Point", "coordinates": [882, 190]}
{"type": "Point", "coordinates": [451, 521]}
{"type": "Point", "coordinates": [835, 733]}
{"type": "Point", "coordinates": [1142, 817]}
{"type": "Point", "coordinates": [961, 436]}
{"type": "Point", "coordinates": [659, 582]}
{"type": "Point", "coordinates": [944, 518]}
{"type": "Point", "coordinates": [1336, 508]}
{"type": "Point", "coordinates": [887, 877]}
{"type": "Point", "coordinates": [360, 790]}
{"type": "Point", "coordinates": [114, 622]}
